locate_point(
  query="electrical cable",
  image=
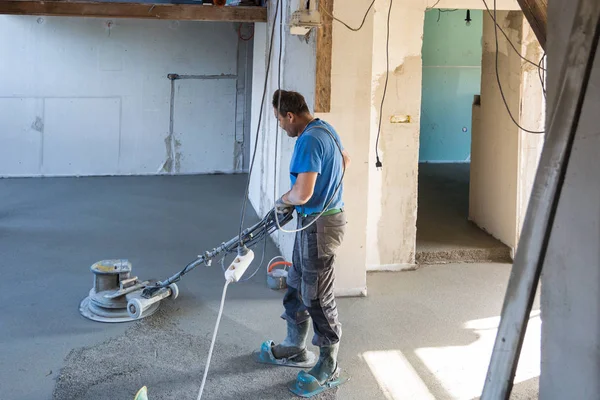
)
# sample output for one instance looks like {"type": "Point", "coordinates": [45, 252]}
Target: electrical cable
{"type": "Point", "coordinates": [542, 74]}
{"type": "Point", "coordinates": [440, 11]}
{"type": "Point", "coordinates": [433, 6]}
{"type": "Point", "coordinates": [247, 191]}
{"type": "Point", "coordinates": [506, 36]}
{"type": "Point", "coordinates": [378, 163]}
{"type": "Point", "coordinates": [345, 24]}
{"type": "Point", "coordinates": [214, 339]}
{"type": "Point", "coordinates": [500, 84]}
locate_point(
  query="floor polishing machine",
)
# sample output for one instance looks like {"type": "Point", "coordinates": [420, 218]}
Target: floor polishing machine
{"type": "Point", "coordinates": [117, 296]}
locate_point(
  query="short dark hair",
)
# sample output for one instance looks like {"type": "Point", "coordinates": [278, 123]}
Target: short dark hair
{"type": "Point", "coordinates": [290, 102]}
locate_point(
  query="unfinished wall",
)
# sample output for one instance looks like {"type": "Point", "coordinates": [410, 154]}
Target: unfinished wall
{"type": "Point", "coordinates": [91, 97]}
{"type": "Point", "coordinates": [504, 158]}
{"type": "Point", "coordinates": [381, 205]}
{"type": "Point", "coordinates": [391, 226]}
{"type": "Point", "coordinates": [392, 215]}
{"type": "Point", "coordinates": [571, 275]}
{"type": "Point", "coordinates": [533, 115]}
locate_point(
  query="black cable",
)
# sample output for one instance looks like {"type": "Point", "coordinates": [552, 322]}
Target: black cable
{"type": "Point", "coordinates": [542, 75]}
{"type": "Point", "coordinates": [440, 11]}
{"type": "Point", "coordinates": [506, 36]}
{"type": "Point", "coordinates": [262, 259]}
{"type": "Point", "coordinates": [378, 163]}
{"type": "Point", "coordinates": [345, 24]}
{"type": "Point", "coordinates": [247, 192]}
{"type": "Point", "coordinates": [433, 6]}
{"type": "Point", "coordinates": [498, 79]}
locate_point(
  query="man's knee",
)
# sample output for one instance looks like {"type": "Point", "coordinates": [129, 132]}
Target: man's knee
{"type": "Point", "coordinates": [295, 310]}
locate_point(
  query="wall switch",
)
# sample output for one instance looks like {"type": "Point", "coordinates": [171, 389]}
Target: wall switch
{"type": "Point", "coordinates": [400, 119]}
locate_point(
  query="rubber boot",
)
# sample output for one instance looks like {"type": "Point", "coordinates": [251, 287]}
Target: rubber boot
{"type": "Point", "coordinates": [326, 368]}
{"type": "Point", "coordinates": [294, 345]}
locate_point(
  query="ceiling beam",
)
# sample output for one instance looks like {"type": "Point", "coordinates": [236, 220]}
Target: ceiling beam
{"type": "Point", "coordinates": [536, 12]}
{"type": "Point", "coordinates": [193, 12]}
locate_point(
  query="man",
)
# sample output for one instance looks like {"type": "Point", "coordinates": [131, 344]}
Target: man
{"type": "Point", "coordinates": [316, 171]}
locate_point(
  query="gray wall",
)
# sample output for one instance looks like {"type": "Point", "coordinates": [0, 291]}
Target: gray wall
{"type": "Point", "coordinates": [90, 96]}
{"type": "Point", "coordinates": [571, 279]}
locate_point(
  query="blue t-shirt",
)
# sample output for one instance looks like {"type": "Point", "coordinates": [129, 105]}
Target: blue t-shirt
{"type": "Point", "coordinates": [316, 151]}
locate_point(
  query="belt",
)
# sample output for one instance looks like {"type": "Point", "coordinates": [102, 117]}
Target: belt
{"type": "Point", "coordinates": [333, 211]}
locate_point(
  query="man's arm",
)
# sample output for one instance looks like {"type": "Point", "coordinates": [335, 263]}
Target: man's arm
{"type": "Point", "coordinates": [346, 158]}
{"type": "Point", "coordinates": [302, 190]}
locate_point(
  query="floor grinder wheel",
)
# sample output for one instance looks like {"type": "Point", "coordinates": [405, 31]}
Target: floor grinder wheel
{"type": "Point", "coordinates": [113, 289]}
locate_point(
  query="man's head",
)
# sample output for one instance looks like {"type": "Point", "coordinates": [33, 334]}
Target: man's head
{"type": "Point", "coordinates": [293, 115]}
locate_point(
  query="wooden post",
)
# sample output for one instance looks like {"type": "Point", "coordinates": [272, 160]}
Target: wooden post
{"type": "Point", "coordinates": [324, 47]}
{"type": "Point", "coordinates": [536, 12]}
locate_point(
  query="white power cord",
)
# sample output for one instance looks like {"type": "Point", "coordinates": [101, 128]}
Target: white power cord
{"type": "Point", "coordinates": [214, 339]}
{"type": "Point", "coordinates": [232, 274]}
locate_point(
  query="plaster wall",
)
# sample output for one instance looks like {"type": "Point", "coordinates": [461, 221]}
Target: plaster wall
{"type": "Point", "coordinates": [87, 96]}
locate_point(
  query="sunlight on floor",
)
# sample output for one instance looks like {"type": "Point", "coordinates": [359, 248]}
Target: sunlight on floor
{"type": "Point", "coordinates": [462, 369]}
{"type": "Point", "coordinates": [396, 377]}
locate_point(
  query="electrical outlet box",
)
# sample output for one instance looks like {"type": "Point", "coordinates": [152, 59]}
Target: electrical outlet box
{"type": "Point", "coordinates": [239, 265]}
{"type": "Point", "coordinates": [303, 21]}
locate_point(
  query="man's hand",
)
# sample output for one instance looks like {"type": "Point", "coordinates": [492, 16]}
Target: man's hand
{"type": "Point", "coordinates": [281, 207]}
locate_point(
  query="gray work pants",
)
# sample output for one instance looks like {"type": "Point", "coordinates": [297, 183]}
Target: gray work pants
{"type": "Point", "coordinates": [311, 278]}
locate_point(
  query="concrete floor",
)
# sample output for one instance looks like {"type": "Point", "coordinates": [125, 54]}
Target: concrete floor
{"type": "Point", "coordinates": [444, 233]}
{"type": "Point", "coordinates": [419, 335]}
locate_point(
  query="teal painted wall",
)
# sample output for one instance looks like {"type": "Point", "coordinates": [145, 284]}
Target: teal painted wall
{"type": "Point", "coordinates": [451, 77]}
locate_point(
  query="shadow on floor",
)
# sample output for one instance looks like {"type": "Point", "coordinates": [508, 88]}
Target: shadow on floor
{"type": "Point", "coordinates": [444, 232]}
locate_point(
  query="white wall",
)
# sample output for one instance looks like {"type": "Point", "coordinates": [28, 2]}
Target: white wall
{"type": "Point", "coordinates": [81, 98]}
{"type": "Point", "coordinates": [570, 295]}
{"type": "Point", "coordinates": [503, 157]}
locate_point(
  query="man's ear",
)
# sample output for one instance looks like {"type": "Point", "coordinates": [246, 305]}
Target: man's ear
{"type": "Point", "coordinates": [291, 117]}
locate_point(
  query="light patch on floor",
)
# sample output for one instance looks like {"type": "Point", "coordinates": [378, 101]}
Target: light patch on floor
{"type": "Point", "coordinates": [462, 369]}
{"type": "Point", "coordinates": [396, 377]}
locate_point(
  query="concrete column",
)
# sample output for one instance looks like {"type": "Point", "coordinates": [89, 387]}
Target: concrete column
{"type": "Point", "coordinates": [571, 275]}
{"type": "Point", "coordinates": [392, 213]}
{"type": "Point", "coordinates": [350, 115]}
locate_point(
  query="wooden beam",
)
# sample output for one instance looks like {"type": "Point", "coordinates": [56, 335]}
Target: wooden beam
{"type": "Point", "coordinates": [194, 12]}
{"type": "Point", "coordinates": [536, 12]}
{"type": "Point", "coordinates": [324, 47]}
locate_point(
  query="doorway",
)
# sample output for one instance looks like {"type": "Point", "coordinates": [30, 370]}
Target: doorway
{"type": "Point", "coordinates": [452, 64]}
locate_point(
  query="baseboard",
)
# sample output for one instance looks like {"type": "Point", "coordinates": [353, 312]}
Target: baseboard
{"type": "Point", "coordinates": [352, 292]}
{"type": "Point", "coordinates": [391, 267]}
